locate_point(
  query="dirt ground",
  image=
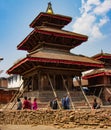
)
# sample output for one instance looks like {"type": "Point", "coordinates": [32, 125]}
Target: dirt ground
{"type": "Point", "coordinates": [43, 127]}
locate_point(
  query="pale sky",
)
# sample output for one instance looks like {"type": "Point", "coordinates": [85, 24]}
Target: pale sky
{"type": "Point", "coordinates": [89, 17]}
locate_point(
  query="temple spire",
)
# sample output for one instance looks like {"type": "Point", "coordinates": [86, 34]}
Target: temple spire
{"type": "Point", "coordinates": [49, 8]}
{"type": "Point", "coordinates": [101, 51]}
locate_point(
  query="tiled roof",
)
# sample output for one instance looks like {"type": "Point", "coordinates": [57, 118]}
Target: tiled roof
{"type": "Point", "coordinates": [97, 72]}
{"type": "Point", "coordinates": [55, 32]}
{"type": "Point", "coordinates": [64, 20]}
{"type": "Point", "coordinates": [64, 56]}
{"type": "Point", "coordinates": [63, 32]}
{"type": "Point", "coordinates": [55, 57]}
{"type": "Point", "coordinates": [101, 55]}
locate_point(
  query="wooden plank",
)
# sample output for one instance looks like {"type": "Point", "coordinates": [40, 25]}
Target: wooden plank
{"type": "Point", "coordinates": [79, 81]}
{"type": "Point", "coordinates": [53, 90]}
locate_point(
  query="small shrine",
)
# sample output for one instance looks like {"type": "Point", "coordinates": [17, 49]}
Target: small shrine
{"type": "Point", "coordinates": [99, 80]}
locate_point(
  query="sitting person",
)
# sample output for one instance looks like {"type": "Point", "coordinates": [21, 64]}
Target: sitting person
{"type": "Point", "coordinates": [54, 104]}
{"type": "Point", "coordinates": [95, 104]}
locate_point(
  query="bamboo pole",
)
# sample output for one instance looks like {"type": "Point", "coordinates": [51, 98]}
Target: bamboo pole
{"type": "Point", "coordinates": [20, 93]}
{"type": "Point", "coordinates": [16, 95]}
{"type": "Point", "coordinates": [108, 90]}
{"type": "Point", "coordinates": [79, 81]}
{"type": "Point", "coordinates": [100, 92]}
{"type": "Point", "coordinates": [12, 99]}
{"type": "Point", "coordinates": [53, 90]}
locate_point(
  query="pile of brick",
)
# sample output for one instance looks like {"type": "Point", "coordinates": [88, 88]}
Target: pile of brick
{"type": "Point", "coordinates": [58, 118]}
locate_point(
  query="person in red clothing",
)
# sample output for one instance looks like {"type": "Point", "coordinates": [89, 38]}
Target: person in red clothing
{"type": "Point", "coordinates": [25, 103]}
{"type": "Point", "coordinates": [34, 104]}
{"type": "Point", "coordinates": [29, 103]}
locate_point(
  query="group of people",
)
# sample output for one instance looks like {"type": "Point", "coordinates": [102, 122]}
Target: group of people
{"type": "Point", "coordinates": [27, 104]}
{"type": "Point", "coordinates": [65, 101]}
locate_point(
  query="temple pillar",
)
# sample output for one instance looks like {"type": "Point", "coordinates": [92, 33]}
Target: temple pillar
{"type": "Point", "coordinates": [54, 80]}
{"type": "Point", "coordinates": [109, 79]}
{"type": "Point", "coordinates": [105, 79]}
{"type": "Point", "coordinates": [70, 82]}
{"type": "Point", "coordinates": [35, 82]}
{"type": "Point", "coordinates": [58, 82]}
{"type": "Point", "coordinates": [39, 81]}
{"type": "Point", "coordinates": [44, 82]}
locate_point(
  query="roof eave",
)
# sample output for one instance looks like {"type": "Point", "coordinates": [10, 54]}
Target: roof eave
{"type": "Point", "coordinates": [81, 37]}
{"type": "Point", "coordinates": [96, 75]}
{"type": "Point", "coordinates": [46, 60]}
{"type": "Point", "coordinates": [66, 18]}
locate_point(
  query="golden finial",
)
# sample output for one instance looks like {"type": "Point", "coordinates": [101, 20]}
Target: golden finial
{"type": "Point", "coordinates": [49, 8]}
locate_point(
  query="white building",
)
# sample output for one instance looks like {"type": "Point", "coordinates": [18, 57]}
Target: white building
{"type": "Point", "coordinates": [15, 81]}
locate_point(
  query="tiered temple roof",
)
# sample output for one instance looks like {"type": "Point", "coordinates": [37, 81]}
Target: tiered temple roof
{"type": "Point", "coordinates": [54, 59]}
{"type": "Point", "coordinates": [49, 46]}
{"type": "Point", "coordinates": [44, 35]}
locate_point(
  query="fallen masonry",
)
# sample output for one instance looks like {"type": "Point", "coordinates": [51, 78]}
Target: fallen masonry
{"type": "Point", "coordinates": [60, 118]}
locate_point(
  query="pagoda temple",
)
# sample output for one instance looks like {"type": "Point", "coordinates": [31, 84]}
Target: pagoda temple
{"type": "Point", "coordinates": [49, 65]}
{"type": "Point", "coordinates": [99, 80]}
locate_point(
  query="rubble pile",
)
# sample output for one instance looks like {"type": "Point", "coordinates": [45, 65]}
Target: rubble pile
{"type": "Point", "coordinates": [58, 118]}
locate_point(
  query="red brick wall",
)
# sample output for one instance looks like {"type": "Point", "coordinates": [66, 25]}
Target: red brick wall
{"type": "Point", "coordinates": [5, 96]}
{"type": "Point", "coordinates": [3, 82]}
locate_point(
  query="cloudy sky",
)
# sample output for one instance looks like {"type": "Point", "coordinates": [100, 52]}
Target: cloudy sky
{"type": "Point", "coordinates": [89, 17]}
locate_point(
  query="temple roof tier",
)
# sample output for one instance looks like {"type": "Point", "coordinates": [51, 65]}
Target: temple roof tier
{"type": "Point", "coordinates": [102, 55]}
{"type": "Point", "coordinates": [97, 72]}
{"type": "Point", "coordinates": [51, 35]}
{"type": "Point", "coordinates": [51, 20]}
{"type": "Point", "coordinates": [51, 59]}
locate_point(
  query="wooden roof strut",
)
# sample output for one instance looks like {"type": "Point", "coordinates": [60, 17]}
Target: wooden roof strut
{"type": "Point", "coordinates": [108, 90]}
{"type": "Point", "coordinates": [53, 90]}
{"type": "Point", "coordinates": [79, 81]}
{"type": "Point", "coordinates": [18, 94]}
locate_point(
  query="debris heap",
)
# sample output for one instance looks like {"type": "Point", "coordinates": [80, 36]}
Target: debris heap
{"type": "Point", "coordinates": [58, 118]}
